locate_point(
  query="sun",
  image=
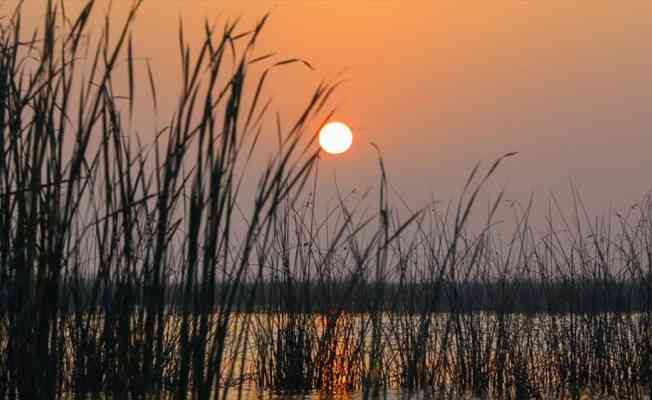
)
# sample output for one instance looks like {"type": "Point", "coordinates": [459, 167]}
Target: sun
{"type": "Point", "coordinates": [335, 138]}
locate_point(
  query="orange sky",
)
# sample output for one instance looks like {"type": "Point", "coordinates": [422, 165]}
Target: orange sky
{"type": "Point", "coordinates": [442, 84]}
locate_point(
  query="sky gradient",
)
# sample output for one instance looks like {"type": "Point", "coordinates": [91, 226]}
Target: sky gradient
{"type": "Point", "coordinates": [441, 85]}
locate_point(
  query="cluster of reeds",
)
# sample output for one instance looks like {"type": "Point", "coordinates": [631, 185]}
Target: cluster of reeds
{"type": "Point", "coordinates": [580, 325]}
{"type": "Point", "coordinates": [132, 266]}
{"type": "Point", "coordinates": [119, 264]}
{"type": "Point", "coordinates": [557, 313]}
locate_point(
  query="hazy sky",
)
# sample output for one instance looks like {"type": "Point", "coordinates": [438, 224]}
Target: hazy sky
{"type": "Point", "coordinates": [442, 84]}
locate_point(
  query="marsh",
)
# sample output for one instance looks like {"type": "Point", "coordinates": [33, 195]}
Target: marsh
{"type": "Point", "coordinates": [201, 245]}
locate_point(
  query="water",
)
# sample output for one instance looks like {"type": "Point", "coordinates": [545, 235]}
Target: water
{"type": "Point", "coordinates": [466, 356]}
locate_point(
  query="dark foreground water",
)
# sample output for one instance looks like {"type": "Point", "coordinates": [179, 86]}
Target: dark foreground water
{"type": "Point", "coordinates": [248, 393]}
{"type": "Point", "coordinates": [462, 356]}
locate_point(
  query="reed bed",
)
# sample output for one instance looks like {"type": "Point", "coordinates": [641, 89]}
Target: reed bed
{"type": "Point", "coordinates": [130, 268]}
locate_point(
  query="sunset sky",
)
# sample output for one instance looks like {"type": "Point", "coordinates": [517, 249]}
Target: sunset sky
{"type": "Point", "coordinates": [439, 85]}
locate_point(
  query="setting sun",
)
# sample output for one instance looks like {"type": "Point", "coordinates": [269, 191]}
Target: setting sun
{"type": "Point", "coordinates": [335, 137]}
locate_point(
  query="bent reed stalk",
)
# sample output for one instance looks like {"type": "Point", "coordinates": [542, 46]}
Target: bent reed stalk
{"type": "Point", "coordinates": [130, 269]}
